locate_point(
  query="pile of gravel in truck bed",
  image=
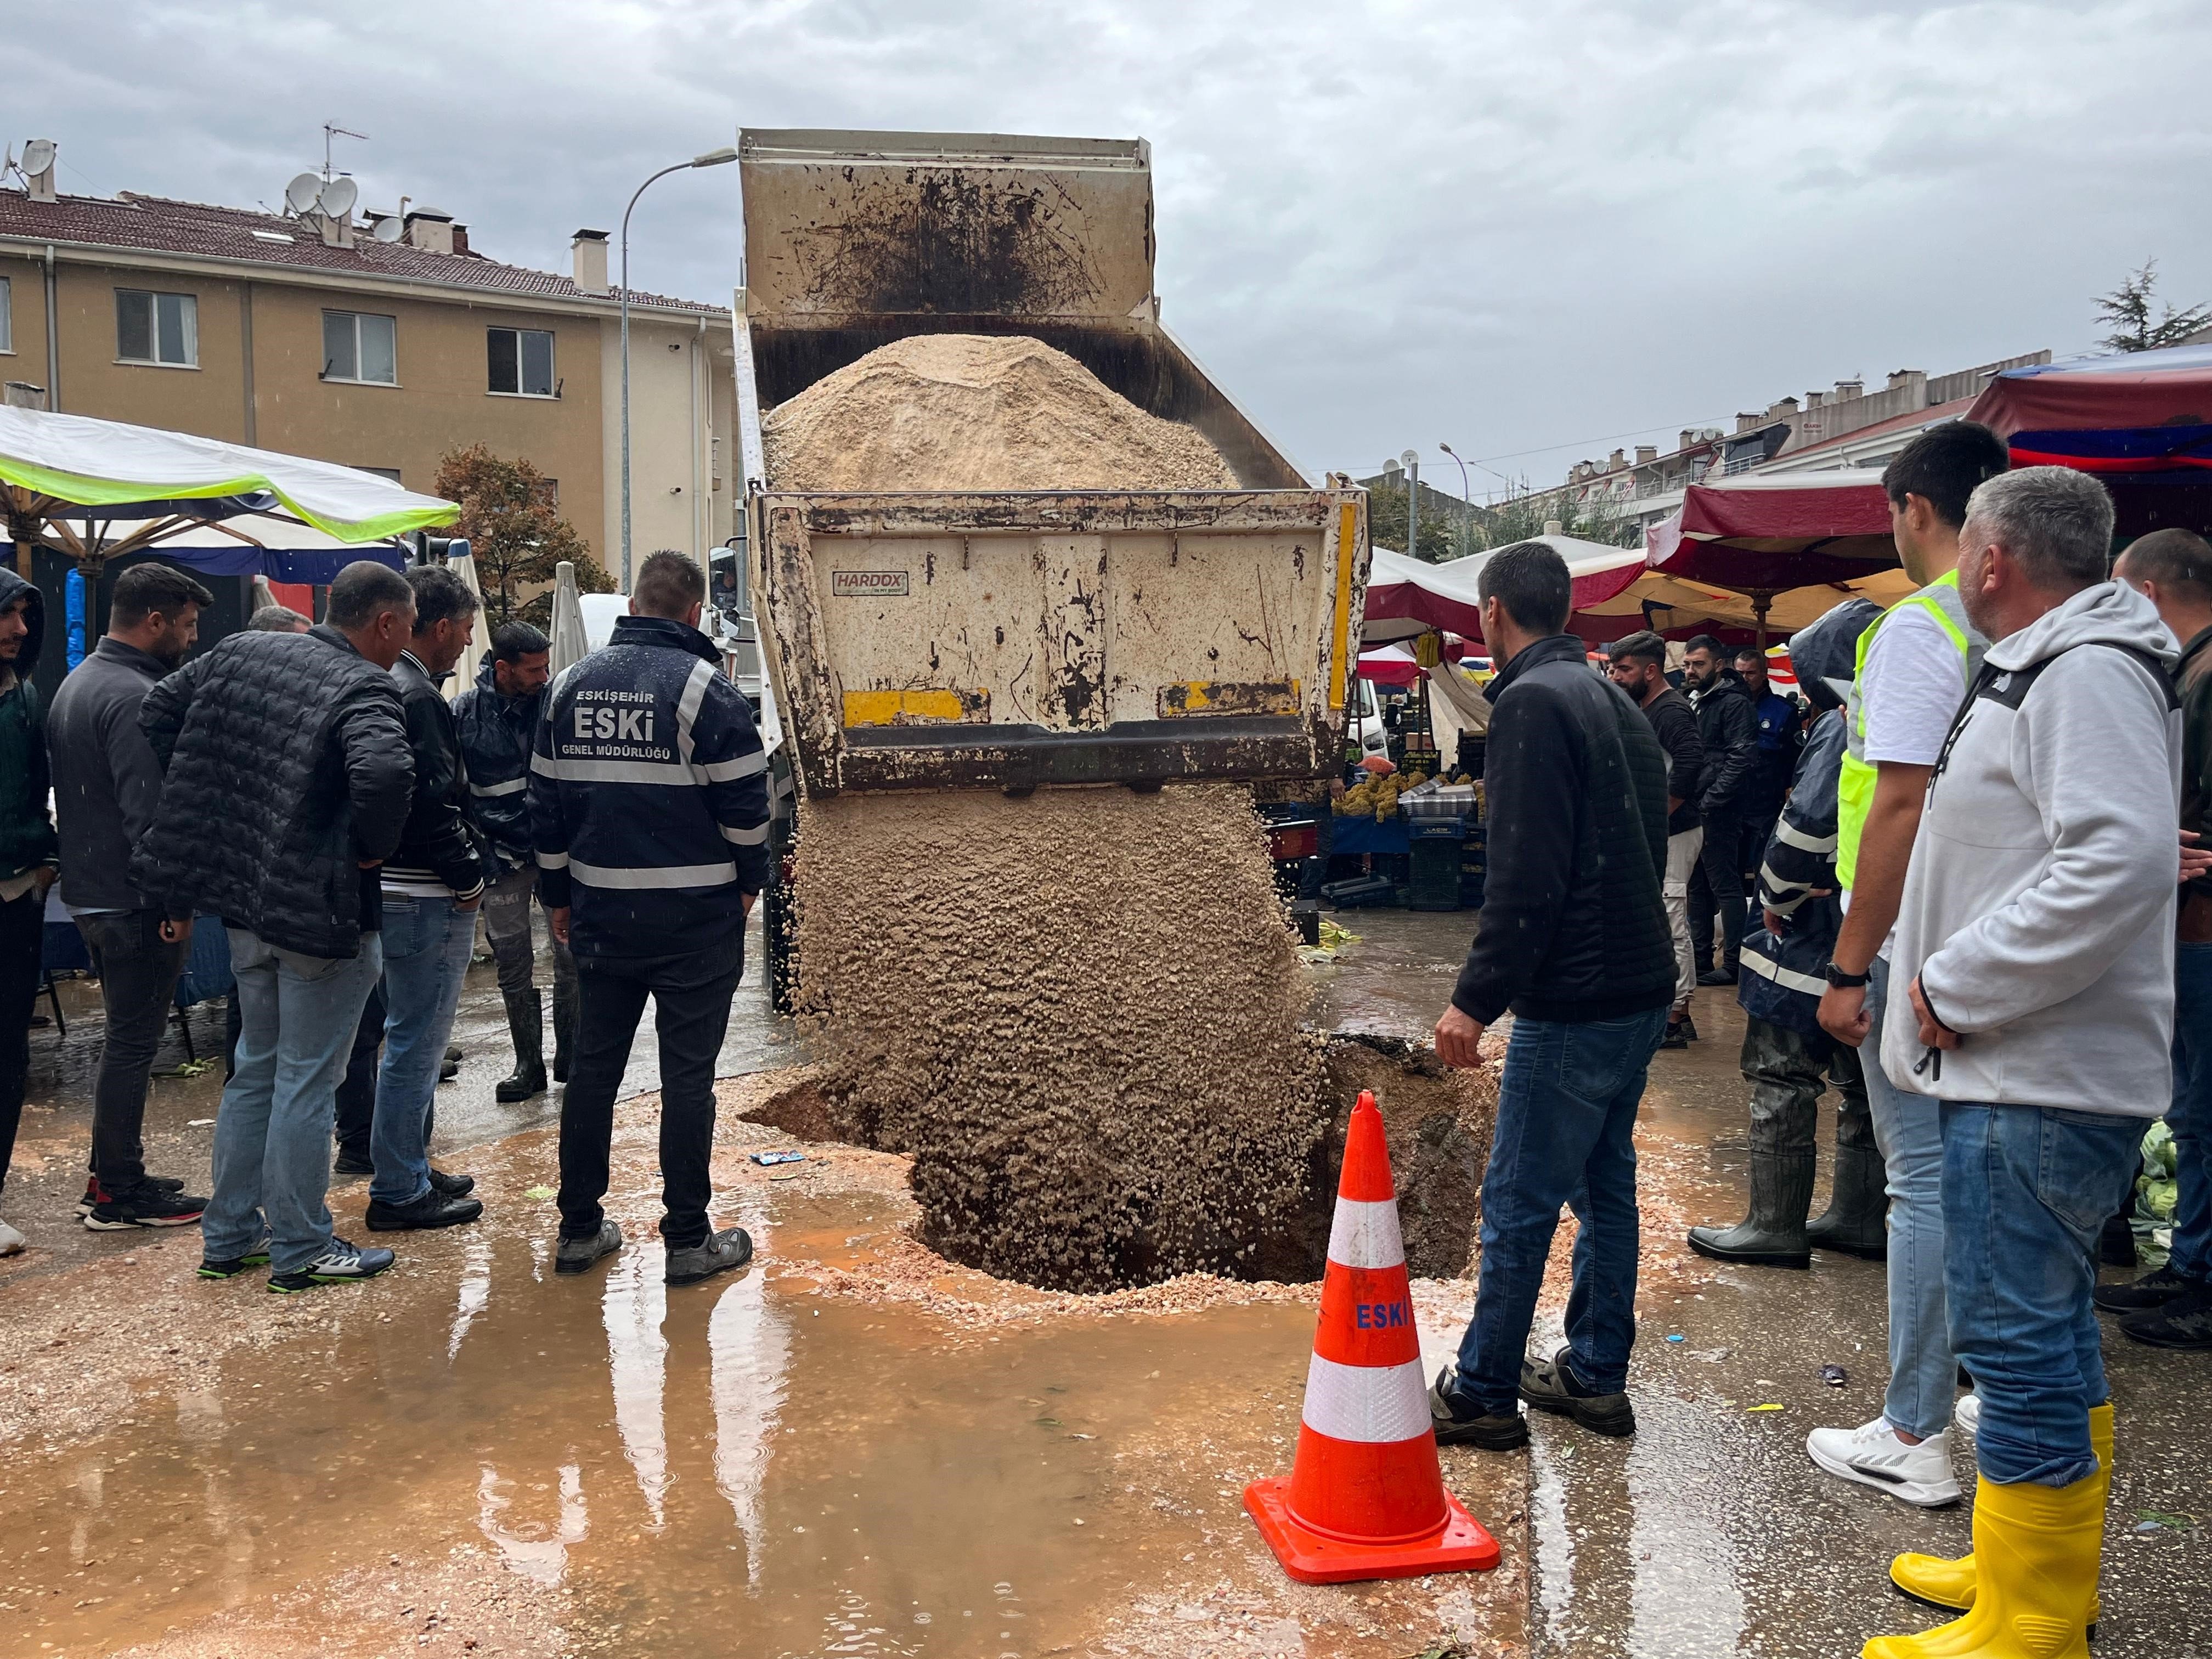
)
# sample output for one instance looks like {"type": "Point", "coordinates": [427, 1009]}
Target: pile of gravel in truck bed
{"type": "Point", "coordinates": [976, 411]}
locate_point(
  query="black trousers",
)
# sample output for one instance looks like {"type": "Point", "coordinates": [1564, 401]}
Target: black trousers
{"type": "Point", "coordinates": [1717, 884]}
{"type": "Point", "coordinates": [23, 939]}
{"type": "Point", "coordinates": [691, 1012]}
{"type": "Point", "coordinates": [138, 972]}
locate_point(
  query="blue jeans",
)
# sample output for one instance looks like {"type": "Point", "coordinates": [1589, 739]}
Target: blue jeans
{"type": "Point", "coordinates": [2190, 1117]}
{"type": "Point", "coordinates": [1566, 1127]}
{"type": "Point", "coordinates": [2027, 1189]}
{"type": "Point", "coordinates": [426, 953]}
{"type": "Point", "coordinates": [1924, 1377]}
{"type": "Point", "coordinates": [272, 1132]}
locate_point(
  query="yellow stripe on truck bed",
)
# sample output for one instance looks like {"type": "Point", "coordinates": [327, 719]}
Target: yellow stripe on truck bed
{"type": "Point", "coordinates": [928, 708]}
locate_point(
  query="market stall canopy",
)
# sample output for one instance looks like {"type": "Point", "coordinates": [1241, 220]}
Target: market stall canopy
{"type": "Point", "coordinates": [567, 634]}
{"type": "Point", "coordinates": [80, 461]}
{"type": "Point", "coordinates": [2144, 411]}
{"type": "Point", "coordinates": [1677, 607]}
{"type": "Point", "coordinates": [1772, 531]}
{"type": "Point", "coordinates": [1409, 597]}
{"type": "Point", "coordinates": [2142, 421]}
{"type": "Point", "coordinates": [266, 545]}
{"type": "Point", "coordinates": [1389, 665]}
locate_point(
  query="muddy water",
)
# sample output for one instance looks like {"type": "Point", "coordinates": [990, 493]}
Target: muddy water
{"type": "Point", "coordinates": [743, 1467]}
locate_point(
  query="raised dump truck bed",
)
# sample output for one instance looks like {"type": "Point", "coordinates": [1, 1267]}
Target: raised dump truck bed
{"type": "Point", "coordinates": [1023, 638]}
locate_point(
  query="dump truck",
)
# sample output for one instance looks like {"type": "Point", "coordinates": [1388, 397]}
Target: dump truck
{"type": "Point", "coordinates": [1028, 639]}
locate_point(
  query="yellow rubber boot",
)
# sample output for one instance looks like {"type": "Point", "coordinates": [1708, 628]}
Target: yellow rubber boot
{"type": "Point", "coordinates": [1941, 1582]}
{"type": "Point", "coordinates": [2036, 1553]}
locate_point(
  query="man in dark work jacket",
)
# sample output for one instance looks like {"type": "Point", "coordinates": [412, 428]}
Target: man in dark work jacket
{"type": "Point", "coordinates": [1574, 939]}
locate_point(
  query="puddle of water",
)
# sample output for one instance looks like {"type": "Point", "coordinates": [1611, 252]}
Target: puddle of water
{"type": "Point", "coordinates": [738, 1467]}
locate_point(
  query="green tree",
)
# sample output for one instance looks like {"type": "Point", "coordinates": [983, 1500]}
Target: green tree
{"type": "Point", "coordinates": [1520, 517]}
{"type": "Point", "coordinates": [516, 534]}
{"type": "Point", "coordinates": [2127, 311]}
{"type": "Point", "coordinates": [1386, 523]}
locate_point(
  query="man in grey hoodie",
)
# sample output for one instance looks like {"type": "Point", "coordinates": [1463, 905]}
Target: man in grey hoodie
{"type": "Point", "coordinates": [2035, 938]}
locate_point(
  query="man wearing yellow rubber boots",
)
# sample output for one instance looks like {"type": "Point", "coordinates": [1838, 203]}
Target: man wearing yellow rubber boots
{"type": "Point", "coordinates": [2034, 943]}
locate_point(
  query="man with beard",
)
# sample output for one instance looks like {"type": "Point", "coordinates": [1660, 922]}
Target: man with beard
{"type": "Point", "coordinates": [107, 784]}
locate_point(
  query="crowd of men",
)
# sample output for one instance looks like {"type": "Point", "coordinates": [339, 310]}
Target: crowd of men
{"type": "Point", "coordinates": [1967, 921]}
{"type": "Point", "coordinates": [310, 788]}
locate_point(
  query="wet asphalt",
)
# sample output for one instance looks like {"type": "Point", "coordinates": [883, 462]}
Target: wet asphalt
{"type": "Point", "coordinates": [1709, 1533]}
{"type": "Point", "coordinates": [47, 1174]}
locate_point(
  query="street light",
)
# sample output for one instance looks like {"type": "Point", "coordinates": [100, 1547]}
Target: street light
{"type": "Point", "coordinates": [713, 158]}
{"type": "Point", "coordinates": [1412, 461]}
{"type": "Point", "coordinates": [1466, 494]}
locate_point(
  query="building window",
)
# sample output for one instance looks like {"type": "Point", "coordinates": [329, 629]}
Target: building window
{"type": "Point", "coordinates": [157, 328]}
{"type": "Point", "coordinates": [389, 473]}
{"type": "Point", "coordinates": [522, 361]}
{"type": "Point", "coordinates": [361, 346]}
{"type": "Point", "coordinates": [7, 318]}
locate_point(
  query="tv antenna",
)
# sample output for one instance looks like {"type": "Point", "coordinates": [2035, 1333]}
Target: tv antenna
{"type": "Point", "coordinates": [330, 132]}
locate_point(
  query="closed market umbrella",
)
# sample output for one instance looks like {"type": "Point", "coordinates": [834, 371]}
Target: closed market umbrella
{"type": "Point", "coordinates": [570, 646]}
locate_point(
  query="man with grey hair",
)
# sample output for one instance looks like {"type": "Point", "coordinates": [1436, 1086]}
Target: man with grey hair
{"type": "Point", "coordinates": [2035, 940]}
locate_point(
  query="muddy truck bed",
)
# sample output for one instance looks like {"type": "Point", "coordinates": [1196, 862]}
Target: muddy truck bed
{"type": "Point", "coordinates": [1020, 639]}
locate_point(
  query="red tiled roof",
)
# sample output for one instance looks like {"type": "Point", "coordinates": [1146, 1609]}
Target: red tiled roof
{"type": "Point", "coordinates": [152, 224]}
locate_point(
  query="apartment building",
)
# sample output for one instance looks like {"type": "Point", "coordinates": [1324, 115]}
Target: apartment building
{"type": "Point", "coordinates": [381, 340]}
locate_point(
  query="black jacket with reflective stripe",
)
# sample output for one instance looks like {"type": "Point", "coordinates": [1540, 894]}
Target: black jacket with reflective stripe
{"type": "Point", "coordinates": [648, 796]}
{"type": "Point", "coordinates": [496, 733]}
{"type": "Point", "coordinates": [439, 843]}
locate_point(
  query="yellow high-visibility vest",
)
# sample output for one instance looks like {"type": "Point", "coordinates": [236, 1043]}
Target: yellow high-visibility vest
{"type": "Point", "coordinates": [1855, 787]}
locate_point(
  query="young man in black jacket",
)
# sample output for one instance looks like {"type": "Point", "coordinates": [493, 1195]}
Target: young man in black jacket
{"type": "Point", "coordinates": [290, 863]}
{"type": "Point", "coordinates": [432, 882]}
{"type": "Point", "coordinates": [1729, 727]}
{"type": "Point", "coordinates": [107, 782]}
{"type": "Point", "coordinates": [1639, 668]}
{"type": "Point", "coordinates": [648, 796]}
{"type": "Point", "coordinates": [1574, 939]}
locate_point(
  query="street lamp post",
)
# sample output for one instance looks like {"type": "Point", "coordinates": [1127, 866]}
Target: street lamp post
{"type": "Point", "coordinates": [713, 158]}
{"type": "Point", "coordinates": [1465, 498]}
{"type": "Point", "coordinates": [1412, 461]}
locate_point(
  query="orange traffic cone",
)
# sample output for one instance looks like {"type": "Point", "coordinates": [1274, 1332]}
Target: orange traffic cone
{"type": "Point", "coordinates": [1364, 1498]}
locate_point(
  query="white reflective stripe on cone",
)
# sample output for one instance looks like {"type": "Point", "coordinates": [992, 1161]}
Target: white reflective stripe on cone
{"type": "Point", "coordinates": [1365, 1235]}
{"type": "Point", "coordinates": [1376, 1405]}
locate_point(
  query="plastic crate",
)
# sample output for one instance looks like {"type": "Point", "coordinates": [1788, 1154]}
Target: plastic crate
{"type": "Point", "coordinates": [1436, 881]}
{"type": "Point", "coordinates": [1364, 893]}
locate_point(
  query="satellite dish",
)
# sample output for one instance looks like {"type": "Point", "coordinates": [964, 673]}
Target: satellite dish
{"type": "Point", "coordinates": [338, 197]}
{"type": "Point", "coordinates": [388, 229]}
{"type": "Point", "coordinates": [38, 156]}
{"type": "Point", "coordinates": [300, 195]}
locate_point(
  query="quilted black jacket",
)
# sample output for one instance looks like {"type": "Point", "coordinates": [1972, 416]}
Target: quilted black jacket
{"type": "Point", "coordinates": [1573, 924]}
{"type": "Point", "coordinates": [285, 765]}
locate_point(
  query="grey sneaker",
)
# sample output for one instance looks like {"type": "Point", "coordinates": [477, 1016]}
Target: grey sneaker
{"type": "Point", "coordinates": [574, 1254]}
{"type": "Point", "coordinates": [731, 1248]}
{"type": "Point", "coordinates": [341, 1264]}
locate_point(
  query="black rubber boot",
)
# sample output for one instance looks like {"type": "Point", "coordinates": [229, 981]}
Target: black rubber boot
{"type": "Point", "coordinates": [1773, 1234]}
{"type": "Point", "coordinates": [1855, 1222]}
{"type": "Point", "coordinates": [564, 1028]}
{"type": "Point", "coordinates": [525, 1025]}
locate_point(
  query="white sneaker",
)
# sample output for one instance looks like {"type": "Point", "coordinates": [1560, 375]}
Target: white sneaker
{"type": "Point", "coordinates": [1873, 1456]}
{"type": "Point", "coordinates": [10, 1240]}
{"type": "Point", "coordinates": [1968, 1414]}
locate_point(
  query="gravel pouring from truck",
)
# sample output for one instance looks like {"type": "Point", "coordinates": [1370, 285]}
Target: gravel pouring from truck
{"type": "Point", "coordinates": [1023, 638]}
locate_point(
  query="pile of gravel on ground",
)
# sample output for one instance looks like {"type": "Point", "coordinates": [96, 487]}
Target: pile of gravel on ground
{"type": "Point", "coordinates": [1079, 1011]}
{"type": "Point", "coordinates": [975, 411]}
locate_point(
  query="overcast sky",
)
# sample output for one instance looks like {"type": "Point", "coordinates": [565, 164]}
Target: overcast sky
{"type": "Point", "coordinates": [1533, 231]}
